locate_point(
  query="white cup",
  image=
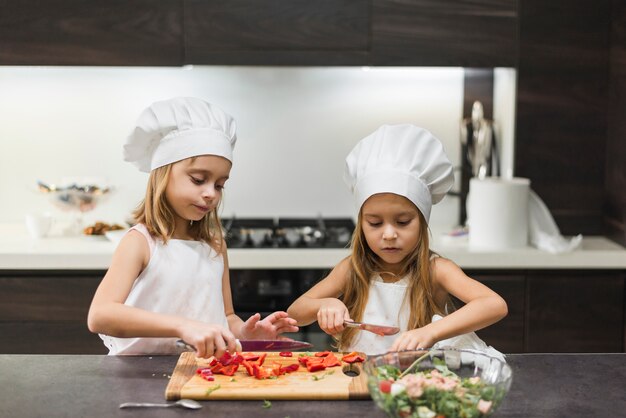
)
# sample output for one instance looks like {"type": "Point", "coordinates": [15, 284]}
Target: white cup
{"type": "Point", "coordinates": [38, 224]}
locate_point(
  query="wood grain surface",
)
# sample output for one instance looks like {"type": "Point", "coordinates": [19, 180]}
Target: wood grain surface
{"type": "Point", "coordinates": [329, 384]}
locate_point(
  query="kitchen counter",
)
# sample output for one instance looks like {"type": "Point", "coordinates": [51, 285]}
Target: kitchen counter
{"type": "Point", "coordinates": [20, 252]}
{"type": "Point", "coordinates": [544, 385]}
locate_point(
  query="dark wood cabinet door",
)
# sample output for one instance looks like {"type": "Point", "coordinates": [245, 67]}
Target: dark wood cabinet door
{"type": "Point", "coordinates": [46, 313]}
{"type": "Point", "coordinates": [466, 33]}
{"type": "Point", "coordinates": [561, 126]}
{"type": "Point", "coordinates": [506, 335]}
{"type": "Point", "coordinates": [575, 312]}
{"type": "Point", "coordinates": [83, 32]}
{"type": "Point", "coordinates": [272, 32]}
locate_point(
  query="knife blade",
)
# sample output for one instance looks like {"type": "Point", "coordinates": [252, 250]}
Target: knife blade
{"type": "Point", "coordinates": [259, 345]}
{"type": "Point", "coordinates": [376, 329]}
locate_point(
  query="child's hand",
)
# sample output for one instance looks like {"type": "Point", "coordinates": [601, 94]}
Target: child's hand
{"type": "Point", "coordinates": [269, 328]}
{"type": "Point", "coordinates": [331, 315]}
{"type": "Point", "coordinates": [413, 339]}
{"type": "Point", "coordinates": [208, 339]}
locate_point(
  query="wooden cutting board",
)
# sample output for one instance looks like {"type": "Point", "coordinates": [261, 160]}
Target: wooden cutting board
{"type": "Point", "coordinates": [299, 385]}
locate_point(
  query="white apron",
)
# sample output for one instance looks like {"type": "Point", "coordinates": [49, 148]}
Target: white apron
{"type": "Point", "coordinates": [387, 306]}
{"type": "Point", "coordinates": [182, 278]}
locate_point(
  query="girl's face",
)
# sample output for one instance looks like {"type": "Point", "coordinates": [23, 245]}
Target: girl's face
{"type": "Point", "coordinates": [195, 185]}
{"type": "Point", "coordinates": [391, 226]}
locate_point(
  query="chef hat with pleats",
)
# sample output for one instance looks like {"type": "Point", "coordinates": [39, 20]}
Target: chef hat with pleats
{"type": "Point", "coordinates": [400, 159]}
{"type": "Point", "coordinates": [172, 130]}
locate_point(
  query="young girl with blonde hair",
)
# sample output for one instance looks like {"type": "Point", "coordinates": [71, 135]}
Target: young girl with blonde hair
{"type": "Point", "coordinates": [392, 277]}
{"type": "Point", "coordinates": [168, 278]}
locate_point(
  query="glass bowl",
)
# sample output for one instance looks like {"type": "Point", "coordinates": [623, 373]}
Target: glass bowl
{"type": "Point", "coordinates": [437, 382]}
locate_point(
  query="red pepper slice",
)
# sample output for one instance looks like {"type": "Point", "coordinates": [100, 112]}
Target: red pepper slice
{"type": "Point", "coordinates": [230, 369]}
{"type": "Point", "coordinates": [250, 356]}
{"type": "Point", "coordinates": [331, 361]}
{"type": "Point", "coordinates": [262, 358]}
{"type": "Point", "coordinates": [285, 354]}
{"type": "Point", "coordinates": [322, 353]}
{"type": "Point", "coordinates": [290, 368]}
{"type": "Point", "coordinates": [353, 357]}
{"type": "Point", "coordinates": [248, 367]}
{"type": "Point", "coordinates": [315, 366]}
{"type": "Point", "coordinates": [237, 358]}
{"type": "Point", "coordinates": [226, 359]}
{"type": "Point", "coordinates": [303, 360]}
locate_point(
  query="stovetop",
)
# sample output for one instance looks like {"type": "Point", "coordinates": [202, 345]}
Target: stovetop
{"type": "Point", "coordinates": [288, 232]}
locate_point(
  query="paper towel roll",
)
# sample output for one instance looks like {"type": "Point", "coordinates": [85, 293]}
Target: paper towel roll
{"type": "Point", "coordinates": [497, 213]}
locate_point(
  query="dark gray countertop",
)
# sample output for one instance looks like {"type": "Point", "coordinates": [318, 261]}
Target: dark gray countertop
{"type": "Point", "coordinates": [544, 385]}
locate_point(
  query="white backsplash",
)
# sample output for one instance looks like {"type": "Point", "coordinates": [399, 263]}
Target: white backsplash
{"type": "Point", "coordinates": [295, 127]}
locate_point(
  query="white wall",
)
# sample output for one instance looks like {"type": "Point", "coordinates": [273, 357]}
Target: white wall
{"type": "Point", "coordinates": [295, 127]}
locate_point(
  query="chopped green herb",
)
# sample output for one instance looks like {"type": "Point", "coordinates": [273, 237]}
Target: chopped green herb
{"type": "Point", "coordinates": [267, 404]}
{"type": "Point", "coordinates": [316, 377]}
{"type": "Point", "coordinates": [232, 379]}
{"type": "Point", "coordinates": [213, 389]}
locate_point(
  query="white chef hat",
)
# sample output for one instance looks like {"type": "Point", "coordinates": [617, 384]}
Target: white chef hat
{"type": "Point", "coordinates": [400, 159]}
{"type": "Point", "coordinates": [182, 127]}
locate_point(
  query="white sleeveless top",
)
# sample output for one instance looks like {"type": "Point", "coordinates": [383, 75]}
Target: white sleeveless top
{"type": "Point", "coordinates": [183, 278]}
{"type": "Point", "coordinates": [388, 305]}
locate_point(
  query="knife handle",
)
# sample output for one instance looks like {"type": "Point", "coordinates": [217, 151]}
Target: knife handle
{"type": "Point", "coordinates": [351, 324]}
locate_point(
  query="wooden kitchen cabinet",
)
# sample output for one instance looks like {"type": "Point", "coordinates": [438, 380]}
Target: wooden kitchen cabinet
{"type": "Point", "coordinates": [573, 311]}
{"type": "Point", "coordinates": [271, 32]}
{"type": "Point", "coordinates": [84, 32]}
{"type": "Point", "coordinates": [482, 33]}
{"type": "Point", "coordinates": [46, 312]}
{"type": "Point", "coordinates": [507, 335]}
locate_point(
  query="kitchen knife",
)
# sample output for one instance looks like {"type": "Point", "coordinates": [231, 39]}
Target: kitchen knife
{"type": "Point", "coordinates": [376, 329]}
{"type": "Point", "coordinates": [260, 345]}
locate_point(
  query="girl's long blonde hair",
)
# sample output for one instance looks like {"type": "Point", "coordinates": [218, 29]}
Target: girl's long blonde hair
{"type": "Point", "coordinates": [364, 263]}
{"type": "Point", "coordinates": [155, 212]}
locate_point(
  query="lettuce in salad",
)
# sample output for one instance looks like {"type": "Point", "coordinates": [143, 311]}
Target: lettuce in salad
{"type": "Point", "coordinates": [434, 393]}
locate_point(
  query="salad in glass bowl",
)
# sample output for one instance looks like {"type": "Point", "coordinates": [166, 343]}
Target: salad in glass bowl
{"type": "Point", "coordinates": [437, 383]}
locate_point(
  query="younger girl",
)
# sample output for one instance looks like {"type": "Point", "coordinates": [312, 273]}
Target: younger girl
{"type": "Point", "coordinates": [168, 278]}
{"type": "Point", "coordinates": [392, 277]}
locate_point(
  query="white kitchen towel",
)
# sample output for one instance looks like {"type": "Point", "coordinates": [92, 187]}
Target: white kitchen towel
{"type": "Point", "coordinates": [467, 341]}
{"type": "Point", "coordinates": [543, 231]}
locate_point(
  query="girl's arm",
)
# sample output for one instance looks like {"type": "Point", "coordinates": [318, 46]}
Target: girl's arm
{"type": "Point", "coordinates": [108, 314]}
{"type": "Point", "coordinates": [321, 302]}
{"type": "Point", "coordinates": [253, 328]}
{"type": "Point", "coordinates": [482, 308]}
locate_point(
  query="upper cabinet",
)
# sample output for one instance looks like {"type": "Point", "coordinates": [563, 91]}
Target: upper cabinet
{"type": "Point", "coordinates": [85, 32]}
{"type": "Point", "coordinates": [478, 33]}
{"type": "Point", "coordinates": [274, 32]}
{"type": "Point", "coordinates": [467, 33]}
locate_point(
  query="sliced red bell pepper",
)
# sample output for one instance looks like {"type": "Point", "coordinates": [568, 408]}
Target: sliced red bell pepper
{"type": "Point", "coordinates": [248, 367]}
{"type": "Point", "coordinates": [262, 358]}
{"type": "Point", "coordinates": [303, 360]}
{"type": "Point", "coordinates": [250, 356]}
{"type": "Point", "coordinates": [353, 357]}
{"type": "Point", "coordinates": [322, 353]}
{"type": "Point", "coordinates": [290, 368]}
{"type": "Point", "coordinates": [286, 354]}
{"type": "Point", "coordinates": [237, 359]}
{"type": "Point", "coordinates": [226, 359]}
{"type": "Point", "coordinates": [230, 369]}
{"type": "Point", "coordinates": [315, 366]}
{"type": "Point", "coordinates": [331, 361]}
